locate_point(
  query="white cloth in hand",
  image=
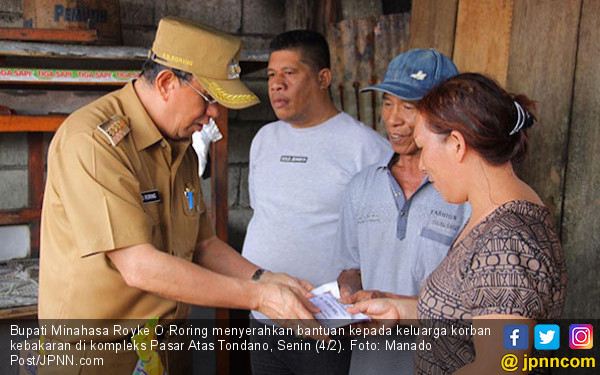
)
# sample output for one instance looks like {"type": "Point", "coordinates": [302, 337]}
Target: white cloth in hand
{"type": "Point", "coordinates": [202, 139]}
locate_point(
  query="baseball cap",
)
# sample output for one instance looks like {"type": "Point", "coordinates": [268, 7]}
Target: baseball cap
{"type": "Point", "coordinates": [412, 74]}
{"type": "Point", "coordinates": [211, 55]}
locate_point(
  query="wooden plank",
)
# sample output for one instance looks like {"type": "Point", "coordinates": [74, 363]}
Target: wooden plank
{"type": "Point", "coordinates": [36, 186]}
{"type": "Point", "coordinates": [18, 123]}
{"type": "Point", "coordinates": [72, 51]}
{"type": "Point", "coordinates": [47, 35]}
{"type": "Point", "coordinates": [543, 67]}
{"type": "Point", "coordinates": [102, 15]}
{"type": "Point", "coordinates": [19, 312]}
{"type": "Point", "coordinates": [483, 32]}
{"type": "Point", "coordinates": [312, 14]}
{"type": "Point", "coordinates": [432, 25]}
{"type": "Point", "coordinates": [326, 12]}
{"type": "Point", "coordinates": [34, 49]}
{"type": "Point", "coordinates": [298, 14]}
{"type": "Point", "coordinates": [15, 217]}
{"type": "Point", "coordinates": [219, 172]}
{"type": "Point", "coordinates": [219, 212]}
{"type": "Point", "coordinates": [581, 221]}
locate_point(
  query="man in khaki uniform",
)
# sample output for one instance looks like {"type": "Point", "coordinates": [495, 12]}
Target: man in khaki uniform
{"type": "Point", "coordinates": [125, 232]}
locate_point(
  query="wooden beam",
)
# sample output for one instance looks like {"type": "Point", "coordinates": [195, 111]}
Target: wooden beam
{"type": "Point", "coordinates": [76, 51]}
{"type": "Point", "coordinates": [312, 14]}
{"type": "Point", "coordinates": [219, 178]}
{"type": "Point", "coordinates": [581, 221]}
{"type": "Point", "coordinates": [25, 216]}
{"type": "Point", "coordinates": [547, 30]}
{"type": "Point", "coordinates": [432, 25]}
{"type": "Point", "coordinates": [47, 35]}
{"type": "Point", "coordinates": [18, 123]}
{"type": "Point", "coordinates": [19, 312]}
{"type": "Point", "coordinates": [298, 14]}
{"type": "Point", "coordinates": [483, 32]}
{"type": "Point", "coordinates": [36, 187]}
{"type": "Point", "coordinates": [219, 213]}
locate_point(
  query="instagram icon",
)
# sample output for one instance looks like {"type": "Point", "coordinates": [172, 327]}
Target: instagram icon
{"type": "Point", "coordinates": [581, 336]}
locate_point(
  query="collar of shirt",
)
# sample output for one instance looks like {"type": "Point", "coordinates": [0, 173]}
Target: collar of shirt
{"type": "Point", "coordinates": [402, 204]}
{"type": "Point", "coordinates": [143, 129]}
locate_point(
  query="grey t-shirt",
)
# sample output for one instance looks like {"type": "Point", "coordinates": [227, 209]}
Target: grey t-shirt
{"type": "Point", "coordinates": [296, 181]}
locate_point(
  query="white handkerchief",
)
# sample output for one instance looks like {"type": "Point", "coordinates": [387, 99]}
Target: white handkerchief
{"type": "Point", "coordinates": [200, 141]}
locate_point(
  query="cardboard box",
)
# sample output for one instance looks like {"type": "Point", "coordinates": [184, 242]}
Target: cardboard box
{"type": "Point", "coordinates": [101, 15]}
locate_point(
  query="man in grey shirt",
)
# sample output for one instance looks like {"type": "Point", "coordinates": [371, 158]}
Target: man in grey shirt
{"type": "Point", "coordinates": [299, 167]}
{"type": "Point", "coordinates": [394, 227]}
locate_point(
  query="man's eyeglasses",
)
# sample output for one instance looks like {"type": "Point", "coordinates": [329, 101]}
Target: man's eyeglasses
{"type": "Point", "coordinates": [207, 98]}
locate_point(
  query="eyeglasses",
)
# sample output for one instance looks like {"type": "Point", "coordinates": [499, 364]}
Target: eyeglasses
{"type": "Point", "coordinates": [207, 98]}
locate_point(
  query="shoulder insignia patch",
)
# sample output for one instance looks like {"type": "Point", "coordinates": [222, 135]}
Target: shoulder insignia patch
{"type": "Point", "coordinates": [115, 129]}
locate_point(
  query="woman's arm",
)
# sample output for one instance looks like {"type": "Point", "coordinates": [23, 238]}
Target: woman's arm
{"type": "Point", "coordinates": [386, 311]}
{"type": "Point", "coordinates": [489, 349]}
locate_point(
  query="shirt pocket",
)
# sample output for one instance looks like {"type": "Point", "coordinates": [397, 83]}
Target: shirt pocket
{"type": "Point", "coordinates": [191, 200]}
{"type": "Point", "coordinates": [437, 236]}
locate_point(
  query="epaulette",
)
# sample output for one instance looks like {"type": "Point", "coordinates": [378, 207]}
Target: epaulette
{"type": "Point", "coordinates": [115, 129]}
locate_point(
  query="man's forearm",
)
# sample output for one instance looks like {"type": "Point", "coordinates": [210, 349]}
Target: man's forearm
{"type": "Point", "coordinates": [144, 267]}
{"type": "Point", "coordinates": [218, 256]}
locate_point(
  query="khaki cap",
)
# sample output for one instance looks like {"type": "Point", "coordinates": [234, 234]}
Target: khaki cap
{"type": "Point", "coordinates": [211, 55]}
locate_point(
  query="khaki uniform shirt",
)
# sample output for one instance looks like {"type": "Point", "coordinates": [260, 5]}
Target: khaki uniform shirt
{"type": "Point", "coordinates": [93, 204]}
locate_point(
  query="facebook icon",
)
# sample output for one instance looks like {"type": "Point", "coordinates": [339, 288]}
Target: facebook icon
{"type": "Point", "coordinates": [516, 336]}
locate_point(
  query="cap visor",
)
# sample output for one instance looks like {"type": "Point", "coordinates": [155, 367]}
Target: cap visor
{"type": "Point", "coordinates": [404, 92]}
{"type": "Point", "coordinates": [230, 93]}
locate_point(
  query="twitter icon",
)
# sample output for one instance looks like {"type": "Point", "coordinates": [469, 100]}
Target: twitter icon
{"type": "Point", "coordinates": [546, 337]}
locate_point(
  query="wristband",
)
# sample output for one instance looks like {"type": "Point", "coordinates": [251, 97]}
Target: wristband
{"type": "Point", "coordinates": [258, 273]}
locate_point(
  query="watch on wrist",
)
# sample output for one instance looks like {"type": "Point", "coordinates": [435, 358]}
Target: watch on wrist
{"type": "Point", "coordinates": [258, 273]}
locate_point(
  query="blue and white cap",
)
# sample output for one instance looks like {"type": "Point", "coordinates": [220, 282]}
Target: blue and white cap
{"type": "Point", "coordinates": [412, 74]}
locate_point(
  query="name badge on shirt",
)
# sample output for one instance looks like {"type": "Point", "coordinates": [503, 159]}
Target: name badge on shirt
{"type": "Point", "coordinates": [150, 196]}
{"type": "Point", "coordinates": [293, 159]}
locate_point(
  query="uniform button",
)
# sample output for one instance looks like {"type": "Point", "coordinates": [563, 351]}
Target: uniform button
{"type": "Point", "coordinates": [163, 144]}
{"type": "Point", "coordinates": [402, 213]}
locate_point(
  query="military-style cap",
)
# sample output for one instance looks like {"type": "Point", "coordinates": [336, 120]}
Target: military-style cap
{"type": "Point", "coordinates": [211, 55]}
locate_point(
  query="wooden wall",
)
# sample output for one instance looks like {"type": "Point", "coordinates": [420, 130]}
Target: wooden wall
{"type": "Point", "coordinates": [581, 199]}
{"type": "Point", "coordinates": [549, 50]}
